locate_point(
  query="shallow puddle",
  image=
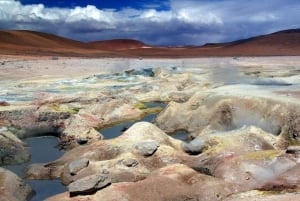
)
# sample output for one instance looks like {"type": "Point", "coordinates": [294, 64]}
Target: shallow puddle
{"type": "Point", "coordinates": [118, 129]}
{"type": "Point", "coordinates": [180, 135]}
{"type": "Point", "coordinates": [156, 104]}
{"type": "Point", "coordinates": [42, 149]}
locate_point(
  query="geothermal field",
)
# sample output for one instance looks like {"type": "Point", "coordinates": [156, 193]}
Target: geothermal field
{"type": "Point", "coordinates": [150, 129]}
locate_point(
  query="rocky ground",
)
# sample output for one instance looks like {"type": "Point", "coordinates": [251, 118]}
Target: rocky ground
{"type": "Point", "coordinates": [241, 116]}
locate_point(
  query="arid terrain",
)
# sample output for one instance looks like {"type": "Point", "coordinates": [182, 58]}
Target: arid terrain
{"type": "Point", "coordinates": [222, 124]}
{"type": "Point", "coordinates": [283, 43]}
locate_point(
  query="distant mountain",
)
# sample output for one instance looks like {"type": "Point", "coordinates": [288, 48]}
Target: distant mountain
{"type": "Point", "coordinates": [117, 44]}
{"type": "Point", "coordinates": [285, 42]}
{"type": "Point", "coordinates": [22, 42]}
{"type": "Point", "coordinates": [36, 39]}
{"type": "Point", "coordinates": [282, 43]}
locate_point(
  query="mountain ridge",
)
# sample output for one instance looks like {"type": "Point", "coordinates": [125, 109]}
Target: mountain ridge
{"type": "Point", "coordinates": [24, 42]}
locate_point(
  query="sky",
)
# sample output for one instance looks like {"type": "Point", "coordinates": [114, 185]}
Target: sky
{"type": "Point", "coordinates": [155, 22]}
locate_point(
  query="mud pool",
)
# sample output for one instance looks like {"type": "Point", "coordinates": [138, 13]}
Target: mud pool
{"type": "Point", "coordinates": [42, 150]}
{"type": "Point", "coordinates": [117, 130]}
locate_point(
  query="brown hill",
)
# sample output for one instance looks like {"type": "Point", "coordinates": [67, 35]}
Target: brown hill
{"type": "Point", "coordinates": [37, 39]}
{"type": "Point", "coordinates": [280, 43]}
{"type": "Point", "coordinates": [283, 43]}
{"type": "Point", "coordinates": [117, 44]}
{"type": "Point", "coordinates": [34, 43]}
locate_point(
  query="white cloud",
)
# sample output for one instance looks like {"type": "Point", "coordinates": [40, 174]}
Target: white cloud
{"type": "Point", "coordinates": [264, 17]}
{"type": "Point", "coordinates": [190, 22]}
{"type": "Point", "coordinates": [89, 12]}
{"type": "Point", "coordinates": [198, 16]}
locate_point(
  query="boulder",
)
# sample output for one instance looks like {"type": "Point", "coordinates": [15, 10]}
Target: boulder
{"type": "Point", "coordinates": [43, 171]}
{"type": "Point", "coordinates": [13, 188]}
{"type": "Point", "coordinates": [125, 157]}
{"type": "Point", "coordinates": [289, 179]}
{"type": "Point", "coordinates": [146, 132]}
{"type": "Point", "coordinates": [78, 165]}
{"type": "Point", "coordinates": [88, 185]}
{"type": "Point", "coordinates": [238, 141]}
{"type": "Point", "coordinates": [12, 149]}
{"type": "Point", "coordinates": [252, 170]}
{"type": "Point", "coordinates": [81, 126]}
{"type": "Point", "coordinates": [129, 162]}
{"type": "Point", "coordinates": [174, 182]}
{"type": "Point", "coordinates": [212, 148]}
{"type": "Point", "coordinates": [146, 148]}
{"type": "Point", "coordinates": [213, 111]}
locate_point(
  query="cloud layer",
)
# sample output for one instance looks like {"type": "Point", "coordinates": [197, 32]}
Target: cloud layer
{"type": "Point", "coordinates": [185, 22]}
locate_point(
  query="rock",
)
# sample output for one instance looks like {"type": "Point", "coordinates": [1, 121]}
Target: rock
{"type": "Point", "coordinates": [130, 162]}
{"type": "Point", "coordinates": [120, 156]}
{"type": "Point", "coordinates": [236, 129]}
{"type": "Point", "coordinates": [108, 112]}
{"type": "Point", "coordinates": [4, 103]}
{"type": "Point", "coordinates": [88, 185]}
{"type": "Point", "coordinates": [145, 131]}
{"type": "Point", "coordinates": [213, 148]}
{"type": "Point", "coordinates": [129, 72]}
{"type": "Point", "coordinates": [293, 150]}
{"type": "Point", "coordinates": [147, 72]}
{"type": "Point", "coordinates": [105, 171]}
{"type": "Point", "coordinates": [146, 148]}
{"type": "Point", "coordinates": [12, 149]}
{"type": "Point", "coordinates": [82, 141]}
{"type": "Point", "coordinates": [256, 195]}
{"type": "Point", "coordinates": [99, 115]}
{"type": "Point", "coordinates": [179, 97]}
{"type": "Point", "coordinates": [194, 147]}
{"type": "Point", "coordinates": [78, 165]}
{"type": "Point", "coordinates": [13, 188]}
{"type": "Point", "coordinates": [52, 116]}
{"type": "Point", "coordinates": [254, 169]}
{"type": "Point", "coordinates": [109, 154]}
{"type": "Point", "coordinates": [221, 112]}
{"type": "Point", "coordinates": [29, 121]}
{"type": "Point", "coordinates": [42, 171]}
{"type": "Point", "coordinates": [175, 182]}
{"type": "Point", "coordinates": [82, 127]}
{"type": "Point", "coordinates": [288, 180]}
{"type": "Point", "coordinates": [237, 141]}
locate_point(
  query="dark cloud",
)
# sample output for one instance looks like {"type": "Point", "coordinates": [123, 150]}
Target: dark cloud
{"type": "Point", "coordinates": [180, 22]}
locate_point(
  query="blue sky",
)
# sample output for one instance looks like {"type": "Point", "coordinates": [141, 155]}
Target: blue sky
{"type": "Point", "coordinates": [116, 4]}
{"type": "Point", "coordinates": [156, 22]}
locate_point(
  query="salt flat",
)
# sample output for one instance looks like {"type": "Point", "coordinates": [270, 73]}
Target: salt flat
{"type": "Point", "coordinates": [22, 68]}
